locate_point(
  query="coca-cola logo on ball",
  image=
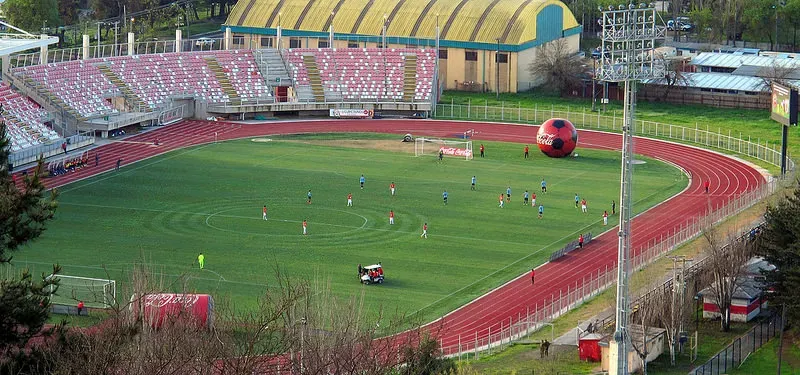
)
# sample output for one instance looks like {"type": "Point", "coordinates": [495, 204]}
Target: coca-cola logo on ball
{"type": "Point", "coordinates": [557, 138]}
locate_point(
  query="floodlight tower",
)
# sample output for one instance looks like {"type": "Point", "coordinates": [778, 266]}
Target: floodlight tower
{"type": "Point", "coordinates": [627, 56]}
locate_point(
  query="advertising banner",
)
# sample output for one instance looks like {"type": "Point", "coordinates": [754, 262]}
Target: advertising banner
{"type": "Point", "coordinates": [455, 151]}
{"type": "Point", "coordinates": [352, 113]}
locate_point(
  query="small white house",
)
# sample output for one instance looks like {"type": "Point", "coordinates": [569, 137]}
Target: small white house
{"type": "Point", "coordinates": [747, 301]}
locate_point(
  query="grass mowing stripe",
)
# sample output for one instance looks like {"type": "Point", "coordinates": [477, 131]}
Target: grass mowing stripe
{"type": "Point", "coordinates": [160, 213]}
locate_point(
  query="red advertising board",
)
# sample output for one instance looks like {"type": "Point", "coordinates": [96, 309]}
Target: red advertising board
{"type": "Point", "coordinates": [195, 308]}
{"type": "Point", "coordinates": [455, 151]}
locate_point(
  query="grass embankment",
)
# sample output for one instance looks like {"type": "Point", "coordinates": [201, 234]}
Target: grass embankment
{"type": "Point", "coordinates": [744, 124]}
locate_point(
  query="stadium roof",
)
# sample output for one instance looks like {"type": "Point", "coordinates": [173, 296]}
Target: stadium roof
{"type": "Point", "coordinates": [16, 40]}
{"type": "Point", "coordinates": [476, 21]}
{"type": "Point", "coordinates": [727, 60]}
{"type": "Point", "coordinates": [717, 81]}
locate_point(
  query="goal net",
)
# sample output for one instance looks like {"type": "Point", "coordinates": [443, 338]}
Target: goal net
{"type": "Point", "coordinates": [100, 293]}
{"type": "Point", "coordinates": [430, 146]}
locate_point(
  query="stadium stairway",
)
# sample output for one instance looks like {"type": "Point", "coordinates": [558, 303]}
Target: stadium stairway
{"type": "Point", "coordinates": [52, 98]}
{"type": "Point", "coordinates": [272, 67]}
{"type": "Point", "coordinates": [133, 100]}
{"type": "Point", "coordinates": [224, 83]}
{"type": "Point", "coordinates": [410, 78]}
{"type": "Point", "coordinates": [314, 78]}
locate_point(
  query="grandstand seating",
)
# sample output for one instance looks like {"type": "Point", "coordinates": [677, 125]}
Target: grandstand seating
{"type": "Point", "coordinates": [24, 118]}
{"type": "Point", "coordinates": [154, 78]}
{"type": "Point", "coordinates": [243, 72]}
{"type": "Point", "coordinates": [79, 84]}
{"type": "Point", "coordinates": [365, 73]}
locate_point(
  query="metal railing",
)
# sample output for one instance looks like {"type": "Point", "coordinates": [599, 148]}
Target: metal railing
{"type": "Point", "coordinates": [32, 154]}
{"type": "Point", "coordinates": [756, 148]}
{"type": "Point", "coordinates": [114, 50]}
{"type": "Point", "coordinates": [737, 351]}
{"type": "Point", "coordinates": [502, 334]}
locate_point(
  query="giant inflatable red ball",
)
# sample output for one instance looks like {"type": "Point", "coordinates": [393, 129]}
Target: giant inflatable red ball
{"type": "Point", "coordinates": [557, 138]}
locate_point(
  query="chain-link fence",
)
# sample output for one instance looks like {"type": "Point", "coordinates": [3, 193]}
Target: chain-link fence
{"type": "Point", "coordinates": [756, 148]}
{"type": "Point", "coordinates": [505, 332]}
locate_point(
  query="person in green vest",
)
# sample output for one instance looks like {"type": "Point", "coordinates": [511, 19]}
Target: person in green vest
{"type": "Point", "coordinates": [202, 260]}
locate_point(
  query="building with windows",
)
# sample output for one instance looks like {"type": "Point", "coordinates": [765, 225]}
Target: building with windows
{"type": "Point", "coordinates": [484, 44]}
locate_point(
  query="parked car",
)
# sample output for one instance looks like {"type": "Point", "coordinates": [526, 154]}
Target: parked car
{"type": "Point", "coordinates": [682, 26]}
{"type": "Point", "coordinates": [204, 42]}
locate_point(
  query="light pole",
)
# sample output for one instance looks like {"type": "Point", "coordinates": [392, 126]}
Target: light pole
{"type": "Point", "coordinates": [497, 70]}
{"type": "Point", "coordinates": [628, 34]}
{"type": "Point", "coordinates": [594, 79]}
{"type": "Point", "coordinates": [385, 18]}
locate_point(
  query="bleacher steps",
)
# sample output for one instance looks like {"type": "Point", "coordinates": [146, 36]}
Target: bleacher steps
{"type": "Point", "coordinates": [314, 78]}
{"type": "Point", "coordinates": [272, 66]}
{"type": "Point", "coordinates": [222, 78]}
{"type": "Point", "coordinates": [130, 97]}
{"type": "Point", "coordinates": [409, 78]}
{"type": "Point", "coordinates": [51, 98]}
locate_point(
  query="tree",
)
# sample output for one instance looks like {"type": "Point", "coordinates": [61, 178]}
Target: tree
{"type": "Point", "coordinates": [24, 309]}
{"type": "Point", "coordinates": [779, 244]}
{"type": "Point", "coordinates": [558, 67]}
{"type": "Point", "coordinates": [24, 303]}
{"type": "Point", "coordinates": [759, 18]}
{"type": "Point", "coordinates": [68, 12]}
{"type": "Point", "coordinates": [23, 213]}
{"type": "Point", "coordinates": [725, 266]}
{"type": "Point", "coordinates": [32, 15]}
{"type": "Point", "coordinates": [674, 74]}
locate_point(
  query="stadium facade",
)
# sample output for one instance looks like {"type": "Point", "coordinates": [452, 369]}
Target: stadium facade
{"type": "Point", "coordinates": [473, 34]}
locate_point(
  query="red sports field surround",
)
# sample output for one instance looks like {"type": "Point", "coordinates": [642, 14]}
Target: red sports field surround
{"type": "Point", "coordinates": [728, 177]}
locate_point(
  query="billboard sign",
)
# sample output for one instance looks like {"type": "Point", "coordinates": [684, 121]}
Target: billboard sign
{"type": "Point", "coordinates": [784, 104]}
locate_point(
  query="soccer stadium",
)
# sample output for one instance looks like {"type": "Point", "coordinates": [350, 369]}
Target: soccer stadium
{"type": "Point", "coordinates": [281, 145]}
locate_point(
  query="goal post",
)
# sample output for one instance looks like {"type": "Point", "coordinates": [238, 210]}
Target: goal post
{"type": "Point", "coordinates": [101, 293]}
{"type": "Point", "coordinates": [432, 146]}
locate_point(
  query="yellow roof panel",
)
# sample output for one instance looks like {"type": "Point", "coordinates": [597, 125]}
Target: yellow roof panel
{"type": "Point", "coordinates": [513, 21]}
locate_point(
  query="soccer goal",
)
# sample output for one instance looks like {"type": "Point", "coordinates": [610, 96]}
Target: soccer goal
{"type": "Point", "coordinates": [100, 293]}
{"type": "Point", "coordinates": [430, 146]}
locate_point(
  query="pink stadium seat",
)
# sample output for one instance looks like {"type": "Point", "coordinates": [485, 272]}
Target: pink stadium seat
{"type": "Point", "coordinates": [24, 120]}
{"type": "Point", "coordinates": [365, 73]}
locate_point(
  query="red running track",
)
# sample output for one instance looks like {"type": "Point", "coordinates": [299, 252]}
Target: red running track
{"type": "Point", "coordinates": [728, 177]}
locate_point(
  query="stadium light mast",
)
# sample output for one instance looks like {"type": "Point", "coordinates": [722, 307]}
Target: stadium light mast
{"type": "Point", "coordinates": [629, 33]}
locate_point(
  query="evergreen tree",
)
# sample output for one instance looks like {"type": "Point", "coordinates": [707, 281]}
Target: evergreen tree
{"type": "Point", "coordinates": [779, 244]}
{"type": "Point", "coordinates": [23, 212]}
{"type": "Point", "coordinates": [24, 300]}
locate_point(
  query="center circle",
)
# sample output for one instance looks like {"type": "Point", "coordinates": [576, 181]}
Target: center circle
{"type": "Point", "coordinates": [286, 221]}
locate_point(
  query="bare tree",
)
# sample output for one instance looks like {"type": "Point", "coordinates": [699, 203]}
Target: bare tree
{"type": "Point", "coordinates": [776, 73]}
{"type": "Point", "coordinates": [294, 328]}
{"type": "Point", "coordinates": [644, 315]}
{"type": "Point", "coordinates": [675, 76]}
{"type": "Point", "coordinates": [725, 266]}
{"type": "Point", "coordinates": [557, 67]}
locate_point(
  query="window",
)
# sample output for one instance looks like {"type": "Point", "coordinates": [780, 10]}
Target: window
{"type": "Point", "coordinates": [295, 43]}
{"type": "Point", "coordinates": [443, 54]}
{"type": "Point", "coordinates": [238, 39]}
{"type": "Point", "coordinates": [352, 45]}
{"type": "Point", "coordinates": [323, 44]}
{"type": "Point", "coordinates": [471, 55]}
{"type": "Point", "coordinates": [266, 42]}
{"type": "Point", "coordinates": [502, 58]}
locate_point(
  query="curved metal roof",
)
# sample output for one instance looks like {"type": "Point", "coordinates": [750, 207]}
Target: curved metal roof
{"type": "Point", "coordinates": [482, 21]}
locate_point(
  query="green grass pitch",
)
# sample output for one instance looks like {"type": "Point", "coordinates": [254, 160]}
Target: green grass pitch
{"type": "Point", "coordinates": [167, 209]}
